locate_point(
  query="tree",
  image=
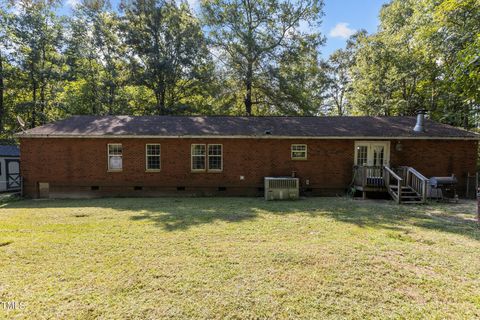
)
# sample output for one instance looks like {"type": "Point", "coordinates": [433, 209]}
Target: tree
{"type": "Point", "coordinates": [423, 56]}
{"type": "Point", "coordinates": [252, 36]}
{"type": "Point", "coordinates": [38, 40]}
{"type": "Point", "coordinates": [4, 39]}
{"type": "Point", "coordinates": [338, 77]}
{"type": "Point", "coordinates": [167, 50]}
{"type": "Point", "coordinates": [295, 85]}
{"type": "Point", "coordinates": [457, 47]}
{"type": "Point", "coordinates": [96, 57]}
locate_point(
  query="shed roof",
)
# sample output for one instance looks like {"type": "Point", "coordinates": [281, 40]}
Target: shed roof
{"type": "Point", "coordinates": [9, 151]}
{"type": "Point", "coordinates": [259, 127]}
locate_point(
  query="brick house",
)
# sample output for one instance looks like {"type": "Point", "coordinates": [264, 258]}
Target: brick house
{"type": "Point", "coordinates": [89, 156]}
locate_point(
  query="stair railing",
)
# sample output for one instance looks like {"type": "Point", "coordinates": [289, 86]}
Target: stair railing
{"type": "Point", "coordinates": [388, 175]}
{"type": "Point", "coordinates": [418, 182]}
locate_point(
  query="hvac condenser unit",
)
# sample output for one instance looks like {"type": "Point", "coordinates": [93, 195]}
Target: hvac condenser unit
{"type": "Point", "coordinates": [282, 188]}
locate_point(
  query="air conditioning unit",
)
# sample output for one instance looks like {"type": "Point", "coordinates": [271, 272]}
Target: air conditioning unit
{"type": "Point", "coordinates": [281, 188]}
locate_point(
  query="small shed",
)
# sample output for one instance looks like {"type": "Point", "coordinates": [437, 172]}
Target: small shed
{"type": "Point", "coordinates": [9, 168]}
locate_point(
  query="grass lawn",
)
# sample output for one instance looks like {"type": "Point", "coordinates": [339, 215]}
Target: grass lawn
{"type": "Point", "coordinates": [238, 258]}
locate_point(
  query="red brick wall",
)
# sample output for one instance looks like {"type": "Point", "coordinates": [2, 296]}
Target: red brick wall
{"type": "Point", "coordinates": [438, 158]}
{"type": "Point", "coordinates": [72, 166]}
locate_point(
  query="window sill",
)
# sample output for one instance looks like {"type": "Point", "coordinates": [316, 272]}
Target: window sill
{"type": "Point", "coordinates": [115, 170]}
{"type": "Point", "coordinates": [152, 170]}
{"type": "Point", "coordinates": [215, 171]}
{"type": "Point", "coordinates": [299, 159]}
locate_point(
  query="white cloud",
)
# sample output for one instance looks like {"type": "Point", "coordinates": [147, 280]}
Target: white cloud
{"type": "Point", "coordinates": [73, 3]}
{"type": "Point", "coordinates": [341, 30]}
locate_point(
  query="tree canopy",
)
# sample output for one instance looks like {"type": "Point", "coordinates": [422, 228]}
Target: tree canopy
{"type": "Point", "coordinates": [238, 57]}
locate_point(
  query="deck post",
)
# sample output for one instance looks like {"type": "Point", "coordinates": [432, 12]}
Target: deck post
{"type": "Point", "coordinates": [467, 193]}
{"type": "Point", "coordinates": [364, 176]}
{"type": "Point", "coordinates": [478, 206]}
{"type": "Point", "coordinates": [476, 181]}
{"type": "Point", "coordinates": [399, 184]}
{"type": "Point", "coordinates": [424, 191]}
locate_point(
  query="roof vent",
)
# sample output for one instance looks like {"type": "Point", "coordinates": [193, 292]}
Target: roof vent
{"type": "Point", "coordinates": [420, 126]}
{"type": "Point", "coordinates": [268, 131]}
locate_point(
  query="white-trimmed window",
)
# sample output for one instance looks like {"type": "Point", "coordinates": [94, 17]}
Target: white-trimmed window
{"type": "Point", "coordinates": [152, 153]}
{"type": "Point", "coordinates": [215, 157]}
{"type": "Point", "coordinates": [299, 151]}
{"type": "Point", "coordinates": [198, 157]}
{"type": "Point", "coordinates": [115, 153]}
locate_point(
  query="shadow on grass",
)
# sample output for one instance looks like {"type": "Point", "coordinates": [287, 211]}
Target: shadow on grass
{"type": "Point", "coordinates": [173, 214]}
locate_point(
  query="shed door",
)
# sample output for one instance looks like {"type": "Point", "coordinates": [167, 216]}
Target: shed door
{"type": "Point", "coordinates": [13, 174]}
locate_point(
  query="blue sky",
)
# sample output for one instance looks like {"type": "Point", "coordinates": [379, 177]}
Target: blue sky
{"type": "Point", "coordinates": [342, 18]}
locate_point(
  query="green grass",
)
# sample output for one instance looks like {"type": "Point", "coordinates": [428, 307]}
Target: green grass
{"type": "Point", "coordinates": [239, 258]}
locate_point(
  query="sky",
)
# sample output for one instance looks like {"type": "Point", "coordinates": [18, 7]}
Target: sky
{"type": "Point", "coordinates": [342, 18]}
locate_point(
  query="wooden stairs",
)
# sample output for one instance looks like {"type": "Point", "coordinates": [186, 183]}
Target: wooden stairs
{"type": "Point", "coordinates": [407, 185]}
{"type": "Point", "coordinates": [404, 184]}
{"type": "Point", "coordinates": [408, 195]}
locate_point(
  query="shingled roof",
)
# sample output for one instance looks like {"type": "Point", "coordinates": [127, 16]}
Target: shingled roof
{"type": "Point", "coordinates": [259, 127]}
{"type": "Point", "coordinates": [9, 151]}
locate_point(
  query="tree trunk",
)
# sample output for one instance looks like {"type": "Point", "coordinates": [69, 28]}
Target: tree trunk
{"type": "Point", "coordinates": [248, 94]}
{"type": "Point", "coordinates": [43, 85]}
{"type": "Point", "coordinates": [2, 89]}
{"type": "Point", "coordinates": [111, 98]}
{"type": "Point", "coordinates": [160, 97]}
{"type": "Point", "coordinates": [34, 98]}
{"type": "Point", "coordinates": [465, 120]}
{"type": "Point", "coordinates": [43, 101]}
{"type": "Point", "coordinates": [339, 102]}
{"type": "Point", "coordinates": [93, 80]}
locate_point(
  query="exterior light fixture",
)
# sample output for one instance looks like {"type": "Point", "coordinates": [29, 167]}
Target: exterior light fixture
{"type": "Point", "coordinates": [399, 146]}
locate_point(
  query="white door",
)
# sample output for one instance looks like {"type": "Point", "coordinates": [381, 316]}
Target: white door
{"type": "Point", "coordinates": [372, 153]}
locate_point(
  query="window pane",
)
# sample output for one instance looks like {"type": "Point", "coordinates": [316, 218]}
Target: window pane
{"type": "Point", "coordinates": [198, 149]}
{"type": "Point", "coordinates": [115, 149]}
{"type": "Point", "coordinates": [378, 155]}
{"type": "Point", "coordinates": [297, 154]}
{"type": "Point", "coordinates": [115, 162]}
{"type": "Point", "coordinates": [153, 149]}
{"type": "Point", "coordinates": [362, 155]}
{"type": "Point", "coordinates": [198, 162]}
{"type": "Point", "coordinates": [215, 162]}
{"type": "Point", "coordinates": [297, 147]}
{"type": "Point", "coordinates": [153, 162]}
{"type": "Point", "coordinates": [214, 149]}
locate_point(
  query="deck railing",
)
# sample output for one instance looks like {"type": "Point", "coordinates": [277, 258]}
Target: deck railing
{"type": "Point", "coordinates": [369, 176]}
{"type": "Point", "coordinates": [417, 181]}
{"type": "Point", "coordinates": [404, 181]}
{"type": "Point", "coordinates": [393, 179]}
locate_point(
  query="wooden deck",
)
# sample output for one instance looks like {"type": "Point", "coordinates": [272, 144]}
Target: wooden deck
{"type": "Point", "coordinates": [404, 184]}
